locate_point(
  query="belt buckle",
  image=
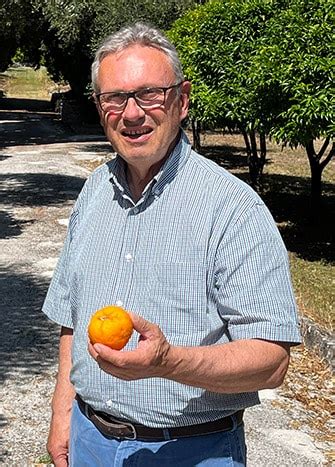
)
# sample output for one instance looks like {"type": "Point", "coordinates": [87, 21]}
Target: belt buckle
{"type": "Point", "coordinates": [114, 427]}
{"type": "Point", "coordinates": [134, 435]}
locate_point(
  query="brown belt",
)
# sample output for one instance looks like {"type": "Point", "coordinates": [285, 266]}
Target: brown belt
{"type": "Point", "coordinates": [115, 428]}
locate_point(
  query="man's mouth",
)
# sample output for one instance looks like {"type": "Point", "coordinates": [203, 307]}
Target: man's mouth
{"type": "Point", "coordinates": [136, 133]}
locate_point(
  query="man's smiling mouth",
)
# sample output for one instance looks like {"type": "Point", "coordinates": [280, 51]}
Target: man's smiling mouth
{"type": "Point", "coordinates": [136, 133]}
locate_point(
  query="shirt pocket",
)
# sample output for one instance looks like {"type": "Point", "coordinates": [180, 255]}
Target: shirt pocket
{"type": "Point", "coordinates": [177, 297]}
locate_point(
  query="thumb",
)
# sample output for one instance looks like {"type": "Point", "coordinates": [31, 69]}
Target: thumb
{"type": "Point", "coordinates": [141, 325]}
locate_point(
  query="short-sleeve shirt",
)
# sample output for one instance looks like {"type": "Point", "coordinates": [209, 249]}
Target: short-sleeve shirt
{"type": "Point", "coordinates": [199, 254]}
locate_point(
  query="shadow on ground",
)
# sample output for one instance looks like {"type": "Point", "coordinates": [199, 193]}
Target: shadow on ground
{"type": "Point", "coordinates": [40, 189]}
{"type": "Point", "coordinates": [29, 341]}
{"type": "Point", "coordinates": [32, 122]}
{"type": "Point", "coordinates": [229, 157]}
{"type": "Point", "coordinates": [306, 230]}
{"type": "Point", "coordinates": [101, 149]}
{"type": "Point", "coordinates": [11, 227]}
{"type": "Point", "coordinates": [18, 103]}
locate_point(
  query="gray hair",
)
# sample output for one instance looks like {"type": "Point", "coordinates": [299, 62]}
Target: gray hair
{"type": "Point", "coordinates": [138, 33]}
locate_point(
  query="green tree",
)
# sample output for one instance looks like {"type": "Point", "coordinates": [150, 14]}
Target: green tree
{"type": "Point", "coordinates": [63, 34]}
{"type": "Point", "coordinates": [265, 67]}
{"type": "Point", "coordinates": [75, 28]}
{"type": "Point", "coordinates": [217, 53]}
{"type": "Point", "coordinates": [17, 20]}
{"type": "Point", "coordinates": [66, 40]}
{"type": "Point", "coordinates": [297, 55]}
{"type": "Point", "coordinates": [111, 15]}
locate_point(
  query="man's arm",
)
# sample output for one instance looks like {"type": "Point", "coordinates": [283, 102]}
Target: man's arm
{"type": "Point", "coordinates": [239, 366]}
{"type": "Point", "coordinates": [58, 440]}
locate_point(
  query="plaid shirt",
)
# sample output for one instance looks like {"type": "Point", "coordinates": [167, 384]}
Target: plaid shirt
{"type": "Point", "coordinates": [199, 254]}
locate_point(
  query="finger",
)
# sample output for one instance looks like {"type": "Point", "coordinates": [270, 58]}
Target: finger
{"type": "Point", "coordinates": [92, 351]}
{"type": "Point", "coordinates": [61, 460]}
{"type": "Point", "coordinates": [142, 326]}
{"type": "Point", "coordinates": [103, 352]}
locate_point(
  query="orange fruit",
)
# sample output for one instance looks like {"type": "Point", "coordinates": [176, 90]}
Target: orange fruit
{"type": "Point", "coordinates": [110, 326]}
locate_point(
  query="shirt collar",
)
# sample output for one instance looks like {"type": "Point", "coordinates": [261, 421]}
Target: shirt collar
{"type": "Point", "coordinates": [168, 171]}
{"type": "Point", "coordinates": [173, 164]}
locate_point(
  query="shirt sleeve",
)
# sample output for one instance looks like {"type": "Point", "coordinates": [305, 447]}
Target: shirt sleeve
{"type": "Point", "coordinates": [57, 304]}
{"type": "Point", "coordinates": [252, 280]}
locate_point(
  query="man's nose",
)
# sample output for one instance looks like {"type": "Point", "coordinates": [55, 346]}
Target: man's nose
{"type": "Point", "coordinates": [132, 111]}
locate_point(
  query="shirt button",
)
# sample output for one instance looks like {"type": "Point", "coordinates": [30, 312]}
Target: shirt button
{"type": "Point", "coordinates": [136, 210]}
{"type": "Point", "coordinates": [129, 257]}
{"type": "Point", "coordinates": [118, 303]}
{"type": "Point", "coordinates": [109, 403]}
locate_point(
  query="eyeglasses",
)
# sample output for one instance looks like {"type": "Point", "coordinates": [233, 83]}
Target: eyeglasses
{"type": "Point", "coordinates": [148, 98]}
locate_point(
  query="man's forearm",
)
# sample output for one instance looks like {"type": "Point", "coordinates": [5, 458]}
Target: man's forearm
{"type": "Point", "coordinates": [64, 391]}
{"type": "Point", "coordinates": [239, 366]}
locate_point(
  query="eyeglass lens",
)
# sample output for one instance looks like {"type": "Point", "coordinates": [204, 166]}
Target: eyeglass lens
{"type": "Point", "coordinates": [145, 98]}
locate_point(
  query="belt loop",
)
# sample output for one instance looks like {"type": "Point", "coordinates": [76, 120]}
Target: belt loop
{"type": "Point", "coordinates": [235, 419]}
{"type": "Point", "coordinates": [86, 410]}
{"type": "Point", "coordinates": [166, 434]}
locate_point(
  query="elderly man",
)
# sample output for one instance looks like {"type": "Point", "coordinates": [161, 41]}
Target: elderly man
{"type": "Point", "coordinates": [195, 256]}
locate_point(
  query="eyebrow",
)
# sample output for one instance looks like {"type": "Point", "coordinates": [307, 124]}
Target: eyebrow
{"type": "Point", "coordinates": [155, 86]}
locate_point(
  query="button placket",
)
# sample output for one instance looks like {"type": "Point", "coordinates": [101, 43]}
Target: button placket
{"type": "Point", "coordinates": [128, 256]}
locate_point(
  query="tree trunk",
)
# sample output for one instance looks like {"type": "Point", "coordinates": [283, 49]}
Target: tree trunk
{"type": "Point", "coordinates": [262, 143]}
{"type": "Point", "coordinates": [255, 162]}
{"type": "Point", "coordinates": [196, 132]}
{"type": "Point", "coordinates": [247, 144]}
{"type": "Point", "coordinates": [316, 173]}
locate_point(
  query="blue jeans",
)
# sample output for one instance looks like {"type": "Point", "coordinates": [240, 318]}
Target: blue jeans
{"type": "Point", "coordinates": [89, 448]}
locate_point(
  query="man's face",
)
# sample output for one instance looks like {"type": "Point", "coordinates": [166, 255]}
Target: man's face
{"type": "Point", "coordinates": [142, 137]}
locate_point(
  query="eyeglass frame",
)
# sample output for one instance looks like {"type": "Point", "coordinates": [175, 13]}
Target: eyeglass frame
{"type": "Point", "coordinates": [132, 94]}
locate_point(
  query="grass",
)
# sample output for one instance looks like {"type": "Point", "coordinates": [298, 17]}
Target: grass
{"type": "Point", "coordinates": [314, 284]}
{"type": "Point", "coordinates": [43, 460]}
{"type": "Point", "coordinates": [27, 83]}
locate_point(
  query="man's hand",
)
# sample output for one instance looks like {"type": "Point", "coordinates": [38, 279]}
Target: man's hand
{"type": "Point", "coordinates": [58, 441]}
{"type": "Point", "coordinates": [147, 360]}
{"type": "Point", "coordinates": [232, 367]}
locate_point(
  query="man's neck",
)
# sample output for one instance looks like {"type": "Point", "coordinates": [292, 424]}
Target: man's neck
{"type": "Point", "coordinates": [139, 177]}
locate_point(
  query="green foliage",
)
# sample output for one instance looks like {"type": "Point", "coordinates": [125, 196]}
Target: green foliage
{"type": "Point", "coordinates": [261, 64]}
{"type": "Point", "coordinates": [16, 22]}
{"type": "Point", "coordinates": [65, 42]}
{"type": "Point", "coordinates": [18, 57]}
{"type": "Point", "coordinates": [302, 61]}
{"type": "Point", "coordinates": [74, 29]}
{"type": "Point", "coordinates": [265, 66]}
{"type": "Point", "coordinates": [111, 15]}
{"type": "Point", "coordinates": [63, 34]}
{"type": "Point", "coordinates": [222, 37]}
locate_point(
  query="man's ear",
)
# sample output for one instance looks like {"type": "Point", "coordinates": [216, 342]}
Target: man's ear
{"type": "Point", "coordinates": [185, 89]}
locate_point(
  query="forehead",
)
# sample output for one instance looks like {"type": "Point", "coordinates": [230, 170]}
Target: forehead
{"type": "Point", "coordinates": [134, 67]}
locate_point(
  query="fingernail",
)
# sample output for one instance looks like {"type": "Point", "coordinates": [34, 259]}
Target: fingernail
{"type": "Point", "coordinates": [97, 348]}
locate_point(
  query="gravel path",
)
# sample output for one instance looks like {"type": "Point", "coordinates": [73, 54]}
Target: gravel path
{"type": "Point", "coordinates": [39, 185]}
